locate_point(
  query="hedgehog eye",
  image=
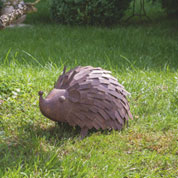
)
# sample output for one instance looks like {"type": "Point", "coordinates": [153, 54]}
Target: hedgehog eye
{"type": "Point", "coordinates": [62, 99]}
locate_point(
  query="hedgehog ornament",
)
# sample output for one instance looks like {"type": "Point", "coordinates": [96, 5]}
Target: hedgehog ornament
{"type": "Point", "coordinates": [88, 97]}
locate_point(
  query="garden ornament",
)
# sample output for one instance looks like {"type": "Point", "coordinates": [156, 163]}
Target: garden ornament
{"type": "Point", "coordinates": [88, 97]}
{"type": "Point", "coordinates": [14, 12]}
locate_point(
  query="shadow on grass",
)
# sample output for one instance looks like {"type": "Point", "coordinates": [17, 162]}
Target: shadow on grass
{"type": "Point", "coordinates": [63, 131]}
{"type": "Point", "coordinates": [38, 145]}
{"type": "Point", "coordinates": [34, 145]}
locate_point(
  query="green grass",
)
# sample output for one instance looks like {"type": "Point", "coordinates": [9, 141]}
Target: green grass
{"type": "Point", "coordinates": [143, 56]}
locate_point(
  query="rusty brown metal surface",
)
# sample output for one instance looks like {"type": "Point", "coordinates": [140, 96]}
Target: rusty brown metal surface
{"type": "Point", "coordinates": [88, 97]}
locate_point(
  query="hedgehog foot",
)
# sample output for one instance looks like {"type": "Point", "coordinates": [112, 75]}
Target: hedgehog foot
{"type": "Point", "coordinates": [84, 132]}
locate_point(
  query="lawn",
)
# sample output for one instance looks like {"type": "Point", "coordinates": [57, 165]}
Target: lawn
{"type": "Point", "coordinates": [142, 55]}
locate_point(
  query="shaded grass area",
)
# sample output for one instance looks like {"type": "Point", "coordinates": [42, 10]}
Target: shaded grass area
{"type": "Point", "coordinates": [143, 44]}
{"type": "Point", "coordinates": [147, 46]}
{"type": "Point", "coordinates": [142, 56]}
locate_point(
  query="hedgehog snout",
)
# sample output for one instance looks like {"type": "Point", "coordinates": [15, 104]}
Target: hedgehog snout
{"type": "Point", "coordinates": [40, 93]}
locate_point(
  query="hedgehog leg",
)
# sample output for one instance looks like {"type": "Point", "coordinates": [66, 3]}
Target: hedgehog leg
{"type": "Point", "coordinates": [84, 132]}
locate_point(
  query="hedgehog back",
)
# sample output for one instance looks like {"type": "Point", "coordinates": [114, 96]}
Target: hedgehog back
{"type": "Point", "coordinates": [102, 102]}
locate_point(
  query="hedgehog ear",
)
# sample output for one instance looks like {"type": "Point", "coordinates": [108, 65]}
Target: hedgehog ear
{"type": "Point", "coordinates": [74, 96]}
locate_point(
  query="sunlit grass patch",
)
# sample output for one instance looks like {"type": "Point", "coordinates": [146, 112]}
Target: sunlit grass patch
{"type": "Point", "coordinates": [32, 145]}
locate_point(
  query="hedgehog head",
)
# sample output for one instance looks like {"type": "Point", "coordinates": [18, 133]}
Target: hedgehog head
{"type": "Point", "coordinates": [58, 103]}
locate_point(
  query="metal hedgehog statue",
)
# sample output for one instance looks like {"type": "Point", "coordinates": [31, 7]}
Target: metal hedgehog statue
{"type": "Point", "coordinates": [88, 97]}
